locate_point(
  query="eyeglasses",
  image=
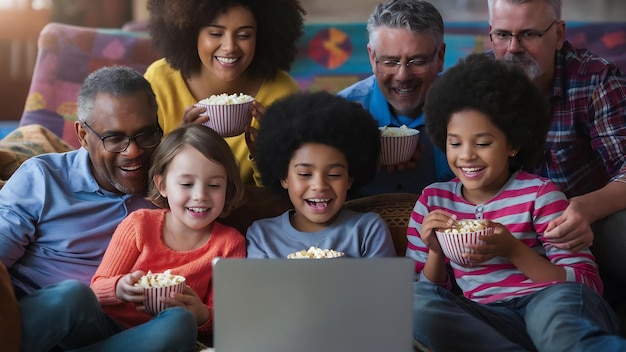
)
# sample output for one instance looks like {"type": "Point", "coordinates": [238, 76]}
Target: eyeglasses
{"type": "Point", "coordinates": [117, 143]}
{"type": "Point", "coordinates": [529, 37]}
{"type": "Point", "coordinates": [415, 66]}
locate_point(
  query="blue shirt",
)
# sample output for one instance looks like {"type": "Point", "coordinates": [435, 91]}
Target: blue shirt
{"type": "Point", "coordinates": [432, 167]}
{"type": "Point", "coordinates": [358, 235]}
{"type": "Point", "coordinates": [56, 221]}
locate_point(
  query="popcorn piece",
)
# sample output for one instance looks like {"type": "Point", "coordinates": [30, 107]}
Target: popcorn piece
{"type": "Point", "coordinates": [159, 280]}
{"type": "Point", "coordinates": [464, 226]}
{"type": "Point", "coordinates": [225, 99]}
{"type": "Point", "coordinates": [315, 253]}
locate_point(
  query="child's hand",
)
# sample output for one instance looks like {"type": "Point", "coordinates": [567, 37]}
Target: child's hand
{"type": "Point", "coordinates": [500, 244]}
{"type": "Point", "coordinates": [126, 289]}
{"type": "Point", "coordinates": [192, 115]}
{"type": "Point", "coordinates": [191, 302]}
{"type": "Point", "coordinates": [437, 219]}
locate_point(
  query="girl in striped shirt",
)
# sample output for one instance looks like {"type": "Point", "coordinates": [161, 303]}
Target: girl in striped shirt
{"type": "Point", "coordinates": [519, 291]}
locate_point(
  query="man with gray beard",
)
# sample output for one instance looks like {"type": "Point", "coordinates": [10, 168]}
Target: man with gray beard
{"type": "Point", "coordinates": [585, 145]}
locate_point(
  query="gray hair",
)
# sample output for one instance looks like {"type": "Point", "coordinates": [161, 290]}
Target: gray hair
{"type": "Point", "coordinates": [118, 81]}
{"type": "Point", "coordinates": [415, 15]}
{"type": "Point", "coordinates": [555, 6]}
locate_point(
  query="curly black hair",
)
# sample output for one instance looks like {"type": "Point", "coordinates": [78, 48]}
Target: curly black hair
{"type": "Point", "coordinates": [499, 90]}
{"type": "Point", "coordinates": [174, 26]}
{"type": "Point", "coordinates": [317, 117]}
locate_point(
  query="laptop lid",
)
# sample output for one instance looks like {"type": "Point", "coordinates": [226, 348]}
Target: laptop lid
{"type": "Point", "coordinates": [345, 304]}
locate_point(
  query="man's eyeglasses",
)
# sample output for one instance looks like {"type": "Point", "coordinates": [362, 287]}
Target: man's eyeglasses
{"type": "Point", "coordinates": [415, 66]}
{"type": "Point", "coordinates": [529, 37]}
{"type": "Point", "coordinates": [117, 143]}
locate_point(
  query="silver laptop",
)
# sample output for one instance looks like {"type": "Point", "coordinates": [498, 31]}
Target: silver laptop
{"type": "Point", "coordinates": [343, 305]}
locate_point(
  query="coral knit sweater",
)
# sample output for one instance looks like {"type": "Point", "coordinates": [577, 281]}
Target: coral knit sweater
{"type": "Point", "coordinates": [137, 245]}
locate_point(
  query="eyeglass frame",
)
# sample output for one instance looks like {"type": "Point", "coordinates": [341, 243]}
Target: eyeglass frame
{"type": "Point", "coordinates": [536, 35]}
{"type": "Point", "coordinates": [156, 131]}
{"type": "Point", "coordinates": [409, 64]}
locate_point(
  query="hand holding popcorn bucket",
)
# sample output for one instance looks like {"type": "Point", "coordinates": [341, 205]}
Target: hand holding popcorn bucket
{"type": "Point", "coordinates": [159, 285]}
{"type": "Point", "coordinates": [454, 241]}
{"type": "Point", "coordinates": [228, 114]}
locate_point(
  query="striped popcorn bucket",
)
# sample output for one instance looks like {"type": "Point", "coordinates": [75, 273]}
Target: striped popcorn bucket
{"type": "Point", "coordinates": [397, 149]}
{"type": "Point", "coordinates": [152, 303]}
{"type": "Point", "coordinates": [455, 244]}
{"type": "Point", "coordinates": [228, 120]}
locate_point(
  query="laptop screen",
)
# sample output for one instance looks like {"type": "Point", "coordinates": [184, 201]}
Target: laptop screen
{"type": "Point", "coordinates": [344, 304]}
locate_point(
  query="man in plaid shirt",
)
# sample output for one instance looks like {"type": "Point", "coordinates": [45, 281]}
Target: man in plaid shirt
{"type": "Point", "coordinates": [585, 145]}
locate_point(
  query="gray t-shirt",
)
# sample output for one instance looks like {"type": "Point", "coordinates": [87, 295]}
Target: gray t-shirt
{"type": "Point", "coordinates": [355, 234]}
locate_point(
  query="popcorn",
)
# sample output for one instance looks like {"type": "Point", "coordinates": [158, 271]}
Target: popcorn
{"type": "Point", "coordinates": [225, 99]}
{"type": "Point", "coordinates": [454, 241]}
{"type": "Point", "coordinates": [464, 226]}
{"type": "Point", "coordinates": [315, 253]}
{"type": "Point", "coordinates": [396, 131]}
{"type": "Point", "coordinates": [159, 280]}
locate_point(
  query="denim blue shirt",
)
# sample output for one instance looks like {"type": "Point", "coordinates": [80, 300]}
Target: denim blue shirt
{"type": "Point", "coordinates": [56, 221]}
{"type": "Point", "coordinates": [432, 167]}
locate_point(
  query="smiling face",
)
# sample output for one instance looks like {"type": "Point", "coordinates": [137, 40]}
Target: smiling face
{"type": "Point", "coordinates": [125, 172]}
{"type": "Point", "coordinates": [317, 182]}
{"type": "Point", "coordinates": [405, 91]}
{"type": "Point", "coordinates": [226, 47]}
{"type": "Point", "coordinates": [478, 153]}
{"type": "Point", "coordinates": [535, 58]}
{"type": "Point", "coordinates": [195, 188]}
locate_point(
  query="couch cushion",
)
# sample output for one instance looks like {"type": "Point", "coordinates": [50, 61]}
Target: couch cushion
{"type": "Point", "coordinates": [394, 208]}
{"type": "Point", "coordinates": [66, 55]}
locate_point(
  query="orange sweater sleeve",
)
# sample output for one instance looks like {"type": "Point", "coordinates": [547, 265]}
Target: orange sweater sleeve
{"type": "Point", "coordinates": [119, 258]}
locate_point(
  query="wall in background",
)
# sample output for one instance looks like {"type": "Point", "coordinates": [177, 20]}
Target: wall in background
{"type": "Point", "coordinates": [333, 11]}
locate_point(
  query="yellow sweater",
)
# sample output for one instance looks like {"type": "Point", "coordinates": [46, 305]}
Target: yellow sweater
{"type": "Point", "coordinates": [173, 96]}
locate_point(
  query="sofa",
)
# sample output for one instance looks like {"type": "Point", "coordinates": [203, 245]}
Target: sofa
{"type": "Point", "coordinates": [331, 56]}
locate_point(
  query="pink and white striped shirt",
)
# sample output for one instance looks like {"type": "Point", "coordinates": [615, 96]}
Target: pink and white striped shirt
{"type": "Point", "coordinates": [525, 205]}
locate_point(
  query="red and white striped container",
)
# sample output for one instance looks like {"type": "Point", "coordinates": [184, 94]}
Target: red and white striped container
{"type": "Point", "coordinates": [397, 144]}
{"type": "Point", "coordinates": [228, 120]}
{"type": "Point", "coordinates": [455, 244]}
{"type": "Point", "coordinates": [152, 303]}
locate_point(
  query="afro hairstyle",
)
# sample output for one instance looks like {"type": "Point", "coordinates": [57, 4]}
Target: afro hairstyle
{"type": "Point", "coordinates": [318, 117]}
{"type": "Point", "coordinates": [174, 26]}
{"type": "Point", "coordinates": [499, 90]}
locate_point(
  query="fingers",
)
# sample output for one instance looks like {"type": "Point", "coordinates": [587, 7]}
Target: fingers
{"type": "Point", "coordinates": [258, 110]}
{"type": "Point", "coordinates": [193, 114]}
{"type": "Point", "coordinates": [126, 289]}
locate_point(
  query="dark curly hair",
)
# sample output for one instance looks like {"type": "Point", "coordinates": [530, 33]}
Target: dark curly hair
{"type": "Point", "coordinates": [318, 117]}
{"type": "Point", "coordinates": [174, 26]}
{"type": "Point", "coordinates": [502, 92]}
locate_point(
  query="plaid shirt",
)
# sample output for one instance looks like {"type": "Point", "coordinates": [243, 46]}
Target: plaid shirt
{"type": "Point", "coordinates": [586, 144]}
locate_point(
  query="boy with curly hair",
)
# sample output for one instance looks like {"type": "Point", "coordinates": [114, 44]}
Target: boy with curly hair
{"type": "Point", "coordinates": [318, 148]}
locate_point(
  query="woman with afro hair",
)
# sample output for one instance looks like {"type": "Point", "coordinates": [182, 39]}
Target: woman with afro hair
{"type": "Point", "coordinates": [213, 47]}
{"type": "Point", "coordinates": [520, 292]}
{"type": "Point", "coordinates": [318, 147]}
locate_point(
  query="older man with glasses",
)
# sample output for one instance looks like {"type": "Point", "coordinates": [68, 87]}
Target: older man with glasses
{"type": "Point", "coordinates": [586, 144]}
{"type": "Point", "coordinates": [406, 51]}
{"type": "Point", "coordinates": [59, 210]}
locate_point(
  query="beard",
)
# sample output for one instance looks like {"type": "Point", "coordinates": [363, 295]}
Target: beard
{"type": "Point", "coordinates": [526, 63]}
